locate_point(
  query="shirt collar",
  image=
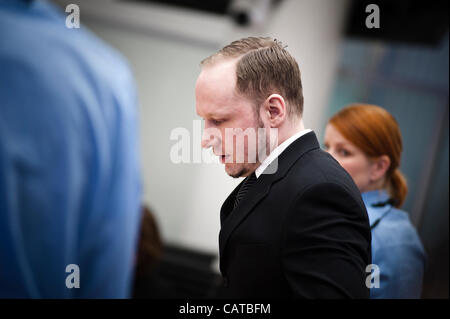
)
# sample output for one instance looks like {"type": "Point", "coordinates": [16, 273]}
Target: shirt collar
{"type": "Point", "coordinates": [278, 150]}
{"type": "Point", "coordinates": [374, 197]}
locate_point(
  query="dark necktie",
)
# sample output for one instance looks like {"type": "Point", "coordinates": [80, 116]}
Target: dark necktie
{"type": "Point", "coordinates": [246, 185]}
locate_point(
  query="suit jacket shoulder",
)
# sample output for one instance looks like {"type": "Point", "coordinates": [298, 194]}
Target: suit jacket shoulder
{"type": "Point", "coordinates": [305, 225]}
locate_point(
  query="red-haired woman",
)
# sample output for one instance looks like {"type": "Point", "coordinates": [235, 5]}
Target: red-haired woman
{"type": "Point", "coordinates": [366, 141]}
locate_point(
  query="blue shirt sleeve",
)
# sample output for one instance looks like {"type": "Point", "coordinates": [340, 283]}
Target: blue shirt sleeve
{"type": "Point", "coordinates": [69, 160]}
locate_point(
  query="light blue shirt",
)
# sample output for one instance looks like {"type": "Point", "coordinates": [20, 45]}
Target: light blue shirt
{"type": "Point", "coordinates": [396, 249]}
{"type": "Point", "coordinates": [69, 171]}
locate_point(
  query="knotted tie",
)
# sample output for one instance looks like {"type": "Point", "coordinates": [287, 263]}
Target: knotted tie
{"type": "Point", "coordinates": [248, 183]}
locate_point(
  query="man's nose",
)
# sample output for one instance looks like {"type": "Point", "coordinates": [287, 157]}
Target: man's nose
{"type": "Point", "coordinates": [208, 140]}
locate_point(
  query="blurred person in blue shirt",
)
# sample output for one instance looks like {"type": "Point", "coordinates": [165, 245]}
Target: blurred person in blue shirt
{"type": "Point", "coordinates": [69, 170]}
{"type": "Point", "coordinates": [366, 141]}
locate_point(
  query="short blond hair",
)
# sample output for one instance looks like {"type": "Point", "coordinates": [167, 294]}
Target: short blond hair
{"type": "Point", "coordinates": [264, 67]}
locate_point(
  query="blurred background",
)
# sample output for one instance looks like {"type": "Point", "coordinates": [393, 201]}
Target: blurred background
{"type": "Point", "coordinates": [402, 66]}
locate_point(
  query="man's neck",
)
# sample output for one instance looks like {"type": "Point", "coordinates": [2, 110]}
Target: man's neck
{"type": "Point", "coordinates": [289, 130]}
{"type": "Point", "coordinates": [293, 134]}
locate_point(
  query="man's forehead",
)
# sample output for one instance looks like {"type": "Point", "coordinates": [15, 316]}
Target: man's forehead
{"type": "Point", "coordinates": [221, 74]}
{"type": "Point", "coordinates": [218, 106]}
{"type": "Point", "coordinates": [216, 87]}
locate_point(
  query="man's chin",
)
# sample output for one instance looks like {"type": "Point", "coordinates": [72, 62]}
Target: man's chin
{"type": "Point", "coordinates": [236, 170]}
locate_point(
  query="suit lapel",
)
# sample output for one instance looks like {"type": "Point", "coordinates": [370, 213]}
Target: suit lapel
{"type": "Point", "coordinates": [230, 219]}
{"type": "Point", "coordinates": [227, 206]}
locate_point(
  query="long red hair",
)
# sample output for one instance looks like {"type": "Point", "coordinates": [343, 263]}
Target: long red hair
{"type": "Point", "coordinates": [376, 132]}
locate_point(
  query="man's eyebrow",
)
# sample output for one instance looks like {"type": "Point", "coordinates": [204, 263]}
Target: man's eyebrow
{"type": "Point", "coordinates": [216, 115]}
{"type": "Point", "coordinates": [218, 118]}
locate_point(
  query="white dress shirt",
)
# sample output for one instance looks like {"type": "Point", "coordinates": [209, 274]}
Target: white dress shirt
{"type": "Point", "coordinates": [278, 150]}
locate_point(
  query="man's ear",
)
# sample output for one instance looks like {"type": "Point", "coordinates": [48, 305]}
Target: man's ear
{"type": "Point", "coordinates": [379, 167]}
{"type": "Point", "coordinates": [274, 108]}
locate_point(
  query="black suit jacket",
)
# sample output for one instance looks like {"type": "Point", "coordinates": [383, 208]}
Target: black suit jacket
{"type": "Point", "coordinates": [300, 232]}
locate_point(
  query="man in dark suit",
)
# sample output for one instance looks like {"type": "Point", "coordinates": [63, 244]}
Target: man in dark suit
{"type": "Point", "coordinates": [296, 226]}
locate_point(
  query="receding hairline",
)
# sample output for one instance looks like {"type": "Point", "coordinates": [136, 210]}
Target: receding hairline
{"type": "Point", "coordinates": [217, 59]}
{"type": "Point", "coordinates": [234, 53]}
{"type": "Point", "coordinates": [254, 55]}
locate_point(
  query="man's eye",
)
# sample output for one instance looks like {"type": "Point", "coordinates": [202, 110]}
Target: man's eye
{"type": "Point", "coordinates": [216, 122]}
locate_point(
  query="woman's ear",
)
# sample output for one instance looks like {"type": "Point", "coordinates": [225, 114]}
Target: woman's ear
{"type": "Point", "coordinates": [275, 110]}
{"type": "Point", "coordinates": [379, 167]}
